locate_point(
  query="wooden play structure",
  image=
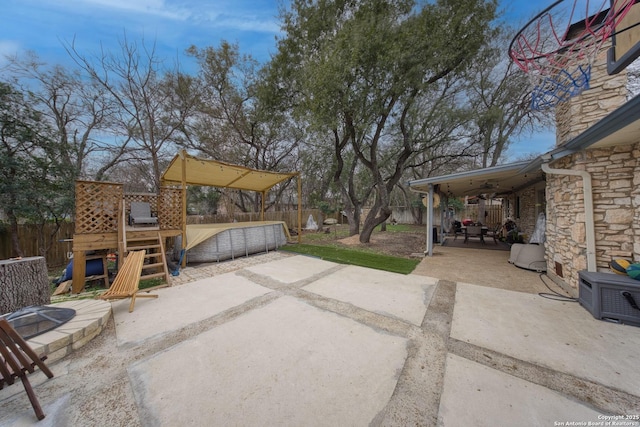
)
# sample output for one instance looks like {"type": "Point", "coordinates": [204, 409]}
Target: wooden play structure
{"type": "Point", "coordinates": [101, 226]}
{"type": "Point", "coordinates": [103, 209]}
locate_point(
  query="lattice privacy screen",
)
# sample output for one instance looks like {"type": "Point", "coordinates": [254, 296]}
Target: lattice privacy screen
{"type": "Point", "coordinates": [97, 207]}
{"type": "Point", "coordinates": [170, 208]}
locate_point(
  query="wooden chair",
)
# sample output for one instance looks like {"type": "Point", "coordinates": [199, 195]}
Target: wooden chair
{"type": "Point", "coordinates": [127, 281]}
{"type": "Point", "coordinates": [16, 360]}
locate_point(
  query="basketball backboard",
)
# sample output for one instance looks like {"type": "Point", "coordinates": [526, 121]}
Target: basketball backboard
{"type": "Point", "coordinates": [625, 40]}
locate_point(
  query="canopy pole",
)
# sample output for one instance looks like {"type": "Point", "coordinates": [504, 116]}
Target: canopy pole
{"type": "Point", "coordinates": [299, 208]}
{"type": "Point", "coordinates": [183, 154]}
{"type": "Point", "coordinates": [262, 208]}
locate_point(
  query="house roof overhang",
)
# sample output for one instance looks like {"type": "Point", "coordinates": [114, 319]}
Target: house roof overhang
{"type": "Point", "coordinates": [620, 127]}
{"type": "Point", "coordinates": [206, 172]}
{"type": "Point", "coordinates": [498, 180]}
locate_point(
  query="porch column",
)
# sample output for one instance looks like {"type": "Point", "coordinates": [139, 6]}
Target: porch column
{"type": "Point", "coordinates": [429, 250]}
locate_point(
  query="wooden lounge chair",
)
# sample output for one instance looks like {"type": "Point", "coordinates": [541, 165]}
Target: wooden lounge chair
{"type": "Point", "coordinates": [16, 360]}
{"type": "Point", "coordinates": [127, 281]}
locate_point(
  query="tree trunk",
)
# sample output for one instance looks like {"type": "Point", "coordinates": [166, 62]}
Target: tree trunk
{"type": "Point", "coordinates": [15, 242]}
{"type": "Point", "coordinates": [376, 216]}
{"type": "Point", "coordinates": [353, 217]}
{"type": "Point", "coordinates": [417, 213]}
{"type": "Point", "coordinates": [23, 282]}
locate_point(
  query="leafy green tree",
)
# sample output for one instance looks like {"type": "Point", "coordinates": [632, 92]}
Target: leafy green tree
{"type": "Point", "coordinates": [31, 169]}
{"type": "Point", "coordinates": [357, 69]}
{"type": "Point", "coordinates": [203, 200]}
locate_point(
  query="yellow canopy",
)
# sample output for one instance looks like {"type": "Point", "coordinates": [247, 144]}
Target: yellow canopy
{"type": "Point", "coordinates": [186, 169]}
{"type": "Point", "coordinates": [195, 171]}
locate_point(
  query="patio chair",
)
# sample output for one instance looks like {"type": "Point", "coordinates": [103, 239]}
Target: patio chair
{"type": "Point", "coordinates": [456, 228]}
{"type": "Point", "coordinates": [473, 231]}
{"type": "Point", "coordinates": [127, 281]}
{"type": "Point", "coordinates": [494, 233]}
{"type": "Point", "coordinates": [141, 214]}
{"type": "Point", "coordinates": [17, 359]}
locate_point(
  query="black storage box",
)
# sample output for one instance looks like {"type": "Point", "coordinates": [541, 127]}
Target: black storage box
{"type": "Point", "coordinates": [610, 296]}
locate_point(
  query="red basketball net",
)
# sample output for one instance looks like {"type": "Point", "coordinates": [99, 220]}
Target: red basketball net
{"type": "Point", "coordinates": [557, 47]}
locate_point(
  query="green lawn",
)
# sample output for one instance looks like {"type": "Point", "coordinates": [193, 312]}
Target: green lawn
{"type": "Point", "coordinates": [355, 257]}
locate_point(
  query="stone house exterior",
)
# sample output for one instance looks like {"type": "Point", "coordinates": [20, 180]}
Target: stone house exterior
{"type": "Point", "coordinates": [615, 178]}
{"type": "Point", "coordinates": [598, 137]}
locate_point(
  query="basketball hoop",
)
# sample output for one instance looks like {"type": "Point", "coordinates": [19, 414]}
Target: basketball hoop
{"type": "Point", "coordinates": [557, 48]}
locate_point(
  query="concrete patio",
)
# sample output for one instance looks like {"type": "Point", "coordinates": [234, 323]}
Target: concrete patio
{"type": "Point", "coordinates": [290, 340]}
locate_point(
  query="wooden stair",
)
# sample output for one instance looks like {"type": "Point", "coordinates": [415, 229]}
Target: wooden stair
{"type": "Point", "coordinates": [155, 262]}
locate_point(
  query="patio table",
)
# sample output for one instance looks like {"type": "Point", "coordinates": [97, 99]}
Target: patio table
{"type": "Point", "coordinates": [474, 231]}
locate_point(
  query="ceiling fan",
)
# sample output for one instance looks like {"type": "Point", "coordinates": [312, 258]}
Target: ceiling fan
{"type": "Point", "coordinates": [487, 185]}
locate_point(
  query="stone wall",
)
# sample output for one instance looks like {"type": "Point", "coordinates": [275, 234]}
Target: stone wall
{"type": "Point", "coordinates": [615, 175]}
{"type": "Point", "coordinates": [530, 207]}
{"type": "Point", "coordinates": [605, 94]}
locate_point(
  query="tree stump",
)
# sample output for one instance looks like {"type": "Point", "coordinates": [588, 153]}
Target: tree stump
{"type": "Point", "coordinates": [23, 282]}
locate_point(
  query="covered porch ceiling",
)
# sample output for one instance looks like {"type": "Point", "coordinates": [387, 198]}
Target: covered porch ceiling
{"type": "Point", "coordinates": [499, 180]}
{"type": "Point", "coordinates": [620, 127]}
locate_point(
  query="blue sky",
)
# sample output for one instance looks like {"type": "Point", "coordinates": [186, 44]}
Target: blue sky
{"type": "Point", "coordinates": [45, 26]}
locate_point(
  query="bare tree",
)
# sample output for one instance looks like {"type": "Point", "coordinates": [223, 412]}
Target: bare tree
{"type": "Point", "coordinates": [500, 96]}
{"type": "Point", "coordinates": [153, 103]}
{"type": "Point", "coordinates": [78, 109]}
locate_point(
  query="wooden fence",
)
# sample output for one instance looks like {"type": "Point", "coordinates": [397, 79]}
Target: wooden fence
{"type": "Point", "coordinates": [60, 245]}
{"type": "Point", "coordinates": [29, 236]}
{"type": "Point", "coordinates": [494, 215]}
{"type": "Point", "coordinates": [290, 217]}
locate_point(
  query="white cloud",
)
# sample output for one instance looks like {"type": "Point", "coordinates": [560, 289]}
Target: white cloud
{"type": "Point", "coordinates": [159, 8]}
{"type": "Point", "coordinates": [229, 15]}
{"type": "Point", "coordinates": [247, 23]}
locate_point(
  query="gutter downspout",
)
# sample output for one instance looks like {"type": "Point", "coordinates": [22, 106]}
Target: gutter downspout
{"type": "Point", "coordinates": [588, 208]}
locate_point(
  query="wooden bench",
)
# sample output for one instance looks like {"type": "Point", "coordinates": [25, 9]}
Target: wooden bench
{"type": "Point", "coordinates": [17, 359]}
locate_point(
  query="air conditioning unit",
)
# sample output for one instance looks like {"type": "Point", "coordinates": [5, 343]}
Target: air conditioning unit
{"type": "Point", "coordinates": [611, 297]}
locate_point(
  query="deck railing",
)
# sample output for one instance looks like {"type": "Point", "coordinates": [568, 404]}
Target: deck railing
{"type": "Point", "coordinates": [98, 205]}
